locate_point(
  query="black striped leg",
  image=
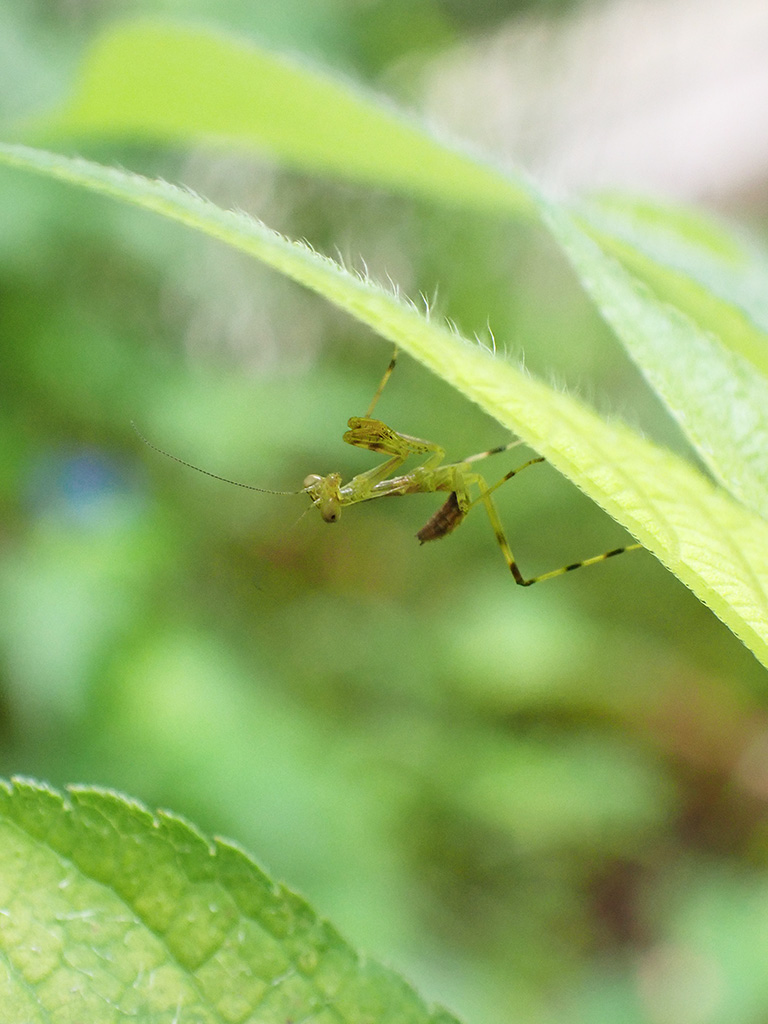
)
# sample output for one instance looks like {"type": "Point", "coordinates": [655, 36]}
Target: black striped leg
{"type": "Point", "coordinates": [496, 451]}
{"type": "Point", "coordinates": [493, 516]}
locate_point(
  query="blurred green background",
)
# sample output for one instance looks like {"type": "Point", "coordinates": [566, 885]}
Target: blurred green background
{"type": "Point", "coordinates": [539, 804]}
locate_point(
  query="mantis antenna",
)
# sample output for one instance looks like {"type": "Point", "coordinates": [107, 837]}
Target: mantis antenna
{"type": "Point", "coordinates": [215, 476]}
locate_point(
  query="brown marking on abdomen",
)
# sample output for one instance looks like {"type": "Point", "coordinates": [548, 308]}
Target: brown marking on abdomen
{"type": "Point", "coordinates": [446, 519]}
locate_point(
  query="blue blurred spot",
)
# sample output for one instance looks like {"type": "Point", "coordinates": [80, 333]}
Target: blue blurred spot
{"type": "Point", "coordinates": [88, 488]}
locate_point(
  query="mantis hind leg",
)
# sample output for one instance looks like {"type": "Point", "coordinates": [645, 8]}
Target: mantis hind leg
{"type": "Point", "coordinates": [575, 565]}
{"type": "Point", "coordinates": [498, 529]}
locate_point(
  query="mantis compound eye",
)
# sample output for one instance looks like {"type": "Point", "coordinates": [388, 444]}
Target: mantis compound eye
{"type": "Point", "coordinates": [330, 510]}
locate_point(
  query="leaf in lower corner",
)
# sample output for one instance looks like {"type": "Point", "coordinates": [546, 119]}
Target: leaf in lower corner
{"type": "Point", "coordinates": [108, 911]}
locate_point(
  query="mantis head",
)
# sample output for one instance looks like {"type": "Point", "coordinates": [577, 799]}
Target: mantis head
{"type": "Point", "coordinates": [325, 494]}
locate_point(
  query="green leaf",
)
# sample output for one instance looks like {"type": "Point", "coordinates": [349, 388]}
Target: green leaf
{"type": "Point", "coordinates": [719, 277]}
{"type": "Point", "coordinates": [148, 79]}
{"type": "Point", "coordinates": [711, 542]}
{"type": "Point", "coordinates": [718, 397]}
{"type": "Point", "coordinates": [111, 913]}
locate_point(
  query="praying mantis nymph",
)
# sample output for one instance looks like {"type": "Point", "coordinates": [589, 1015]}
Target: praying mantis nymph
{"type": "Point", "coordinates": [330, 495]}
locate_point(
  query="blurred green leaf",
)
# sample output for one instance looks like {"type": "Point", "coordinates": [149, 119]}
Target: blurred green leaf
{"type": "Point", "coordinates": [109, 911]}
{"type": "Point", "coordinates": [711, 271]}
{"type": "Point", "coordinates": [718, 397]}
{"type": "Point", "coordinates": [712, 543]}
{"type": "Point", "coordinates": [589, 791]}
{"type": "Point", "coordinates": [148, 79]}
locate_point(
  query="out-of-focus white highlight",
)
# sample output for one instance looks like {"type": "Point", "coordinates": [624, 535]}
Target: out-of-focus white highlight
{"type": "Point", "coordinates": [663, 96]}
